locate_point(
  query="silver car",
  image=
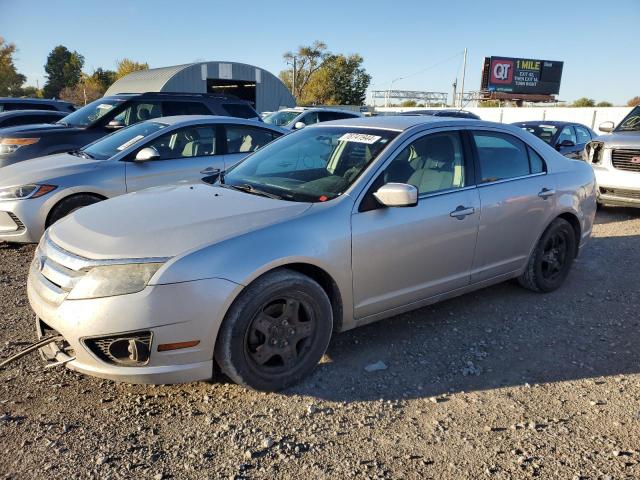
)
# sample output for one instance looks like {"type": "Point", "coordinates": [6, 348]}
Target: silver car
{"type": "Point", "coordinates": [326, 229]}
{"type": "Point", "coordinates": [615, 159]}
{"type": "Point", "coordinates": [36, 193]}
{"type": "Point", "coordinates": [299, 117]}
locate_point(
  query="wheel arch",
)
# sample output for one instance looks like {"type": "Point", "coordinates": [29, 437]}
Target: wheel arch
{"type": "Point", "coordinates": [67, 197]}
{"type": "Point", "coordinates": [573, 220]}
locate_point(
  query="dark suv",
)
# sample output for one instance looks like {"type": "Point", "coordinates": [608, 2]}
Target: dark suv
{"type": "Point", "coordinates": [9, 104]}
{"type": "Point", "coordinates": [108, 114]}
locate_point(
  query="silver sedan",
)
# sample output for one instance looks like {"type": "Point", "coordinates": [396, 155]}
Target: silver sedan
{"type": "Point", "coordinates": [326, 229]}
{"type": "Point", "coordinates": [37, 193]}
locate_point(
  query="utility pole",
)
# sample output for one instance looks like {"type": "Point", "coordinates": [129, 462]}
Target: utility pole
{"type": "Point", "coordinates": [464, 71]}
{"type": "Point", "coordinates": [293, 82]}
{"type": "Point", "coordinates": [455, 86]}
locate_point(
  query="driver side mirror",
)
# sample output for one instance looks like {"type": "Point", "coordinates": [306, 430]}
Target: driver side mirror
{"type": "Point", "coordinates": [299, 125]}
{"type": "Point", "coordinates": [115, 125]}
{"type": "Point", "coordinates": [146, 154]}
{"type": "Point", "coordinates": [397, 195]}
{"type": "Point", "coordinates": [566, 143]}
{"type": "Point", "coordinates": [606, 127]}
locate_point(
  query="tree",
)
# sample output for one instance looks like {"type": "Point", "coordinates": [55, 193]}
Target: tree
{"type": "Point", "coordinates": [32, 92]}
{"type": "Point", "coordinates": [89, 88]}
{"type": "Point", "coordinates": [604, 104]}
{"type": "Point", "coordinates": [308, 60]}
{"type": "Point", "coordinates": [64, 69]}
{"type": "Point", "coordinates": [10, 80]}
{"type": "Point", "coordinates": [634, 102]}
{"type": "Point", "coordinates": [584, 102]}
{"type": "Point", "coordinates": [348, 81]}
{"type": "Point", "coordinates": [127, 66]}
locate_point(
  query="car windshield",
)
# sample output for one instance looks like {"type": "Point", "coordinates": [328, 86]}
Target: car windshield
{"type": "Point", "coordinates": [89, 114]}
{"type": "Point", "coordinates": [631, 121]}
{"type": "Point", "coordinates": [311, 165]}
{"type": "Point", "coordinates": [543, 132]}
{"type": "Point", "coordinates": [281, 118]}
{"type": "Point", "coordinates": [120, 140]}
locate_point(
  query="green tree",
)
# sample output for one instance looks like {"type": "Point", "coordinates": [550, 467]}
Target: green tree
{"type": "Point", "coordinates": [584, 102]}
{"type": "Point", "coordinates": [64, 69]}
{"type": "Point", "coordinates": [635, 101]}
{"type": "Point", "coordinates": [10, 80]}
{"type": "Point", "coordinates": [348, 81]}
{"type": "Point", "coordinates": [103, 79]}
{"type": "Point", "coordinates": [604, 104]}
{"type": "Point", "coordinates": [127, 66]}
{"type": "Point", "coordinates": [409, 103]}
{"type": "Point", "coordinates": [308, 60]}
{"type": "Point", "coordinates": [89, 88]}
{"type": "Point", "coordinates": [32, 92]}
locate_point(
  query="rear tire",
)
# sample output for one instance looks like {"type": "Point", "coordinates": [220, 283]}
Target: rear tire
{"type": "Point", "coordinates": [551, 259]}
{"type": "Point", "coordinates": [70, 205]}
{"type": "Point", "coordinates": [276, 331]}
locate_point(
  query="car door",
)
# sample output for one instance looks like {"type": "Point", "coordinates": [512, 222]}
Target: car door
{"type": "Point", "coordinates": [517, 202]}
{"type": "Point", "coordinates": [241, 140]}
{"type": "Point", "coordinates": [404, 255]}
{"type": "Point", "coordinates": [583, 136]}
{"type": "Point", "coordinates": [184, 154]}
{"type": "Point", "coordinates": [568, 134]}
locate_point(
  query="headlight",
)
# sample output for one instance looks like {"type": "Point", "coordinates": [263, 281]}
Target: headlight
{"type": "Point", "coordinates": [112, 280]}
{"type": "Point", "coordinates": [10, 145]}
{"type": "Point", "coordinates": [25, 191]}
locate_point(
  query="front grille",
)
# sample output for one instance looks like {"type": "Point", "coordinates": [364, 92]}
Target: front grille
{"type": "Point", "coordinates": [58, 266]}
{"type": "Point", "coordinates": [626, 160]}
{"type": "Point", "coordinates": [130, 350]}
{"type": "Point", "coordinates": [619, 192]}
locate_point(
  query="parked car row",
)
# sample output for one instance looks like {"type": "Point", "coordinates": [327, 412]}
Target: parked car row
{"type": "Point", "coordinates": [257, 242]}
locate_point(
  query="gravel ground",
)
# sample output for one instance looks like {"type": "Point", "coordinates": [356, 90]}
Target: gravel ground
{"type": "Point", "coordinates": [501, 383]}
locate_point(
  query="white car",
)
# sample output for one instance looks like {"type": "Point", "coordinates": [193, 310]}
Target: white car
{"type": "Point", "coordinates": [299, 117]}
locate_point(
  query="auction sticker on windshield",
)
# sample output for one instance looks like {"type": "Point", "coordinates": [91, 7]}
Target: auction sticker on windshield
{"type": "Point", "coordinates": [360, 138]}
{"type": "Point", "coordinates": [128, 143]}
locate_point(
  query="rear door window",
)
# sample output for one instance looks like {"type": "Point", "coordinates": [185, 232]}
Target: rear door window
{"type": "Point", "coordinates": [246, 139]}
{"type": "Point", "coordinates": [184, 108]}
{"type": "Point", "coordinates": [240, 110]}
{"type": "Point", "coordinates": [500, 156]}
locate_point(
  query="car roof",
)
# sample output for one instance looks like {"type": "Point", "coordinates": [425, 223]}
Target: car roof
{"type": "Point", "coordinates": [555, 123]}
{"type": "Point", "coordinates": [199, 119]}
{"type": "Point", "coordinates": [14, 113]}
{"type": "Point", "coordinates": [50, 101]}
{"type": "Point", "coordinates": [402, 122]}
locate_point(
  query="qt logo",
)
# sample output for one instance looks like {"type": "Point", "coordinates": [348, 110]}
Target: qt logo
{"type": "Point", "coordinates": [501, 71]}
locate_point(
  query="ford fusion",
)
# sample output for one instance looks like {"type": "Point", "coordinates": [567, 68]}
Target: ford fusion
{"type": "Point", "coordinates": [36, 193]}
{"type": "Point", "coordinates": [332, 227]}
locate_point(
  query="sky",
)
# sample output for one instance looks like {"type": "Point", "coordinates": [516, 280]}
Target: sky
{"type": "Point", "coordinates": [420, 42]}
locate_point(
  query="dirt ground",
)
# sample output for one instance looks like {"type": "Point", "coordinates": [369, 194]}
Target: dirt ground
{"type": "Point", "coordinates": [501, 383]}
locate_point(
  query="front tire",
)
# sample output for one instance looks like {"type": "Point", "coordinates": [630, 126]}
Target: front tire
{"type": "Point", "coordinates": [69, 205]}
{"type": "Point", "coordinates": [551, 259]}
{"type": "Point", "coordinates": [276, 331]}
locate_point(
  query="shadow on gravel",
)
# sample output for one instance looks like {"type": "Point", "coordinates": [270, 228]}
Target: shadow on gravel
{"type": "Point", "coordinates": [616, 214]}
{"type": "Point", "coordinates": [496, 337]}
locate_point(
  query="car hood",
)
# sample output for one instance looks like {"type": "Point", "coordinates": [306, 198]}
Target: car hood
{"type": "Point", "coordinates": [167, 221]}
{"type": "Point", "coordinates": [620, 139]}
{"type": "Point", "coordinates": [42, 169]}
{"type": "Point", "coordinates": [37, 129]}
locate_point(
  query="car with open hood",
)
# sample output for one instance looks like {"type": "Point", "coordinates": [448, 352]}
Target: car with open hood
{"type": "Point", "coordinates": [329, 228]}
{"type": "Point", "coordinates": [37, 193]}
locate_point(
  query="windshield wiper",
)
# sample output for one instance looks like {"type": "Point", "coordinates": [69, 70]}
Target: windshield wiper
{"type": "Point", "coordinates": [251, 189]}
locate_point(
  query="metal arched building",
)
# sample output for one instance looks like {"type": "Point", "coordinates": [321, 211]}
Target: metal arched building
{"type": "Point", "coordinates": [264, 90]}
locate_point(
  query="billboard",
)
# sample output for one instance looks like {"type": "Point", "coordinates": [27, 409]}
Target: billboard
{"type": "Point", "coordinates": [521, 75]}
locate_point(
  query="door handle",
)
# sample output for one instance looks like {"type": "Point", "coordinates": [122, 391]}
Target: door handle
{"type": "Point", "coordinates": [460, 212]}
{"type": "Point", "coordinates": [210, 171]}
{"type": "Point", "coordinates": [547, 192]}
